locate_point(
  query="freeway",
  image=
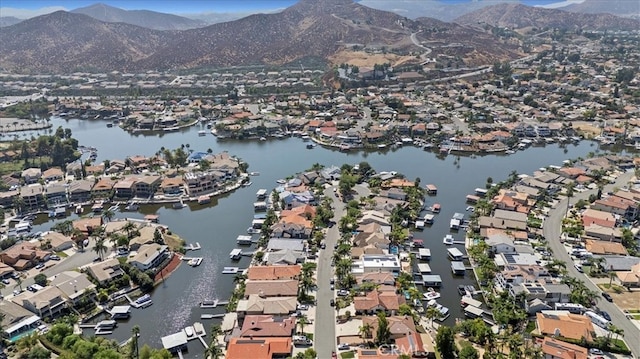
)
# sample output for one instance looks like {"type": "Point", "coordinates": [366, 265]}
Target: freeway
{"type": "Point", "coordinates": [552, 228]}
{"type": "Point", "coordinates": [325, 321]}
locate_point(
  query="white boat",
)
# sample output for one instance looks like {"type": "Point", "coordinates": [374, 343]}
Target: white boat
{"type": "Point", "coordinates": [247, 184]}
{"type": "Point", "coordinates": [188, 331]}
{"type": "Point", "coordinates": [448, 240]}
{"type": "Point", "coordinates": [263, 138]}
{"type": "Point", "coordinates": [252, 230]}
{"type": "Point", "coordinates": [202, 133]}
{"type": "Point", "coordinates": [254, 173]}
{"type": "Point", "coordinates": [281, 181]}
{"type": "Point", "coordinates": [132, 207]}
{"type": "Point", "coordinates": [431, 294]}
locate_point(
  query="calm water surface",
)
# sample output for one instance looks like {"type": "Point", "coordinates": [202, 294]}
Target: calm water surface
{"type": "Point", "coordinates": [217, 225]}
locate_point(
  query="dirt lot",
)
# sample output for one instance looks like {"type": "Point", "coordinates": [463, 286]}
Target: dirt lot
{"type": "Point", "coordinates": [363, 59]}
{"type": "Point", "coordinates": [627, 300]}
{"type": "Point", "coordinates": [588, 128]}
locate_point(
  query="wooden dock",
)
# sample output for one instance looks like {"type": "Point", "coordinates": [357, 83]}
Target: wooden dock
{"type": "Point", "coordinates": [212, 316]}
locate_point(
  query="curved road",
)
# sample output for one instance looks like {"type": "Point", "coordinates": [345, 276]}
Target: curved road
{"type": "Point", "coordinates": [553, 227]}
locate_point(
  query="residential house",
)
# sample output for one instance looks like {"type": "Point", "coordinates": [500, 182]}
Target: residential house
{"type": "Point", "coordinates": [32, 195]}
{"type": "Point", "coordinates": [80, 191]}
{"type": "Point", "coordinates": [87, 225]}
{"type": "Point", "coordinates": [602, 218]}
{"type": "Point", "coordinates": [172, 185]}
{"type": "Point", "coordinates": [200, 182]}
{"type": "Point", "coordinates": [399, 326]}
{"type": "Point", "coordinates": [103, 188]}
{"type": "Point", "coordinates": [272, 288]}
{"type": "Point", "coordinates": [257, 326]}
{"type": "Point", "coordinates": [630, 278]}
{"type": "Point", "coordinates": [377, 263]}
{"type": "Point", "coordinates": [31, 175]}
{"type": "Point", "coordinates": [564, 324]}
{"type": "Point", "coordinates": [516, 274]}
{"type": "Point", "coordinates": [124, 188]}
{"type": "Point", "coordinates": [16, 320]}
{"type": "Point", "coordinates": [47, 302]}
{"type": "Point", "coordinates": [375, 301]}
{"type": "Point", "coordinates": [499, 241]}
{"type": "Point", "coordinates": [74, 286]}
{"type": "Point", "coordinates": [55, 194]}
{"type": "Point", "coordinates": [146, 186]}
{"type": "Point", "coordinates": [556, 349]}
{"type": "Point", "coordinates": [605, 247]}
{"type": "Point", "coordinates": [53, 174]}
{"type": "Point", "coordinates": [380, 278]}
{"type": "Point", "coordinates": [278, 272]}
{"type": "Point", "coordinates": [144, 236]}
{"type": "Point", "coordinates": [105, 271]}
{"type": "Point", "coordinates": [24, 255]}
{"type": "Point", "coordinates": [263, 348]}
{"type": "Point", "coordinates": [603, 233]}
{"type": "Point", "coordinates": [57, 241]}
{"type": "Point", "coordinates": [617, 205]}
{"type": "Point", "coordinates": [149, 256]}
{"type": "Point", "coordinates": [256, 305]}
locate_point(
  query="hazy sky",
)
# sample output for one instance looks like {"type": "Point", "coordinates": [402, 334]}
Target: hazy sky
{"type": "Point", "coordinates": [28, 8]}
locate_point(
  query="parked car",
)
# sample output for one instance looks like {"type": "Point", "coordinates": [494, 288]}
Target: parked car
{"type": "Point", "coordinates": [54, 257]}
{"type": "Point", "coordinates": [332, 303]}
{"type": "Point", "coordinates": [578, 267]}
{"type": "Point", "coordinates": [6, 281]}
{"type": "Point", "coordinates": [343, 293]}
{"type": "Point", "coordinates": [605, 315]}
{"type": "Point", "coordinates": [595, 351]}
{"type": "Point", "coordinates": [607, 296]}
{"type": "Point", "coordinates": [97, 259]}
{"type": "Point", "coordinates": [40, 266]}
{"type": "Point", "coordinates": [303, 307]}
{"type": "Point", "coordinates": [17, 291]}
{"type": "Point", "coordinates": [32, 289]}
{"type": "Point", "coordinates": [343, 346]}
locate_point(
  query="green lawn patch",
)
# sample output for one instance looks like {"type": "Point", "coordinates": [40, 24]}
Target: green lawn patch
{"type": "Point", "coordinates": [531, 326]}
{"type": "Point", "coordinates": [347, 355]}
{"type": "Point", "coordinates": [62, 254]}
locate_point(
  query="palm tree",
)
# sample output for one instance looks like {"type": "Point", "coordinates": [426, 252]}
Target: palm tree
{"type": "Point", "coordinates": [18, 283]}
{"type": "Point", "coordinates": [302, 321]}
{"type": "Point", "coordinates": [214, 351]}
{"type": "Point", "coordinates": [108, 214]}
{"type": "Point", "coordinates": [99, 247]}
{"type": "Point", "coordinates": [612, 276]}
{"type": "Point", "coordinates": [135, 333]}
{"type": "Point", "coordinates": [432, 313]}
{"type": "Point", "coordinates": [129, 227]}
{"type": "Point", "coordinates": [570, 186]}
{"type": "Point", "coordinates": [365, 330]}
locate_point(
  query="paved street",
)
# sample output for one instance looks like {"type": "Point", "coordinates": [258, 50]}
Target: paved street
{"type": "Point", "coordinates": [552, 229]}
{"type": "Point", "coordinates": [70, 263]}
{"type": "Point", "coordinates": [325, 325]}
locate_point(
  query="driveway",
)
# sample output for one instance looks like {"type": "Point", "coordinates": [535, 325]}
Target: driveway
{"type": "Point", "coordinates": [325, 324]}
{"type": "Point", "coordinates": [552, 229]}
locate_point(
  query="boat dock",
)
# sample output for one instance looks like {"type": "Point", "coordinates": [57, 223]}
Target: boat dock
{"type": "Point", "coordinates": [212, 316]}
{"type": "Point", "coordinates": [137, 303]}
{"type": "Point", "coordinates": [231, 270]}
{"type": "Point", "coordinates": [213, 303]}
{"type": "Point", "coordinates": [193, 247]}
{"type": "Point", "coordinates": [177, 342]}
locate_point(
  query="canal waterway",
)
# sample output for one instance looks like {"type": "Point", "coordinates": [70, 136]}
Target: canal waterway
{"type": "Point", "coordinates": [216, 226]}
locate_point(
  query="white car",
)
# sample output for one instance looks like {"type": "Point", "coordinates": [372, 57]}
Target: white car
{"type": "Point", "coordinates": [595, 351]}
{"type": "Point", "coordinates": [343, 293]}
{"type": "Point", "coordinates": [343, 346]}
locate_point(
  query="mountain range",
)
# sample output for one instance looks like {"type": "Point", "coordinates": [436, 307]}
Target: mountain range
{"type": "Point", "coordinates": [309, 30]}
{"type": "Point", "coordinates": [143, 18]}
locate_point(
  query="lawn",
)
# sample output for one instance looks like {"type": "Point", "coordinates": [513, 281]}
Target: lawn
{"type": "Point", "coordinates": [347, 355]}
{"type": "Point", "coordinates": [62, 254]}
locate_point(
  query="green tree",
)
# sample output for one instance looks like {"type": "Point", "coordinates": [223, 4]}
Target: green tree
{"type": "Point", "coordinates": [40, 279]}
{"type": "Point", "coordinates": [468, 352]}
{"type": "Point", "coordinates": [383, 334]}
{"type": "Point", "coordinates": [99, 247]}
{"type": "Point", "coordinates": [445, 342]}
{"type": "Point", "coordinates": [38, 352]}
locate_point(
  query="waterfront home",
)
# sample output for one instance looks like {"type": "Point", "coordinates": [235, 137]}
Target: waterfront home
{"type": "Point", "coordinates": [564, 324]}
{"type": "Point", "coordinates": [377, 300]}
{"type": "Point", "coordinates": [263, 348]}
{"type": "Point", "coordinates": [377, 263]}
{"type": "Point", "coordinates": [106, 271]}
{"type": "Point", "coordinates": [124, 189]}
{"type": "Point", "coordinates": [256, 304]}
{"type": "Point", "coordinates": [284, 257]}
{"type": "Point", "coordinates": [272, 288]}
{"type": "Point", "coordinates": [515, 274]}
{"type": "Point", "coordinates": [24, 255]}
{"type": "Point", "coordinates": [172, 185]}
{"type": "Point", "coordinates": [87, 225]}
{"type": "Point", "coordinates": [145, 186]}
{"type": "Point", "coordinates": [32, 195]}
{"type": "Point", "coordinates": [103, 188]}
{"type": "Point", "coordinates": [365, 239]}
{"type": "Point", "coordinates": [74, 286]}
{"type": "Point", "coordinates": [373, 217]}
{"type": "Point", "coordinates": [499, 241]}
{"type": "Point", "coordinates": [201, 182]}
{"type": "Point", "coordinates": [399, 326]}
{"type": "Point", "coordinates": [273, 272]}
{"type": "Point", "coordinates": [98, 170]}
{"type": "Point", "coordinates": [16, 320]}
{"type": "Point", "coordinates": [55, 194]}
{"type": "Point", "coordinates": [378, 278]}
{"type": "Point", "coordinates": [291, 230]}
{"type": "Point", "coordinates": [374, 227]}
{"type": "Point", "coordinates": [57, 241]}
{"type": "Point", "coordinates": [145, 235]}
{"type": "Point", "coordinates": [79, 191]}
{"type": "Point", "coordinates": [257, 326]}
{"type": "Point", "coordinates": [149, 256]}
{"type": "Point", "coordinates": [557, 349]}
{"type": "Point", "coordinates": [47, 302]}
{"type": "Point", "coordinates": [31, 175]}
{"type": "Point", "coordinates": [550, 293]}
{"type": "Point", "coordinates": [8, 198]}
